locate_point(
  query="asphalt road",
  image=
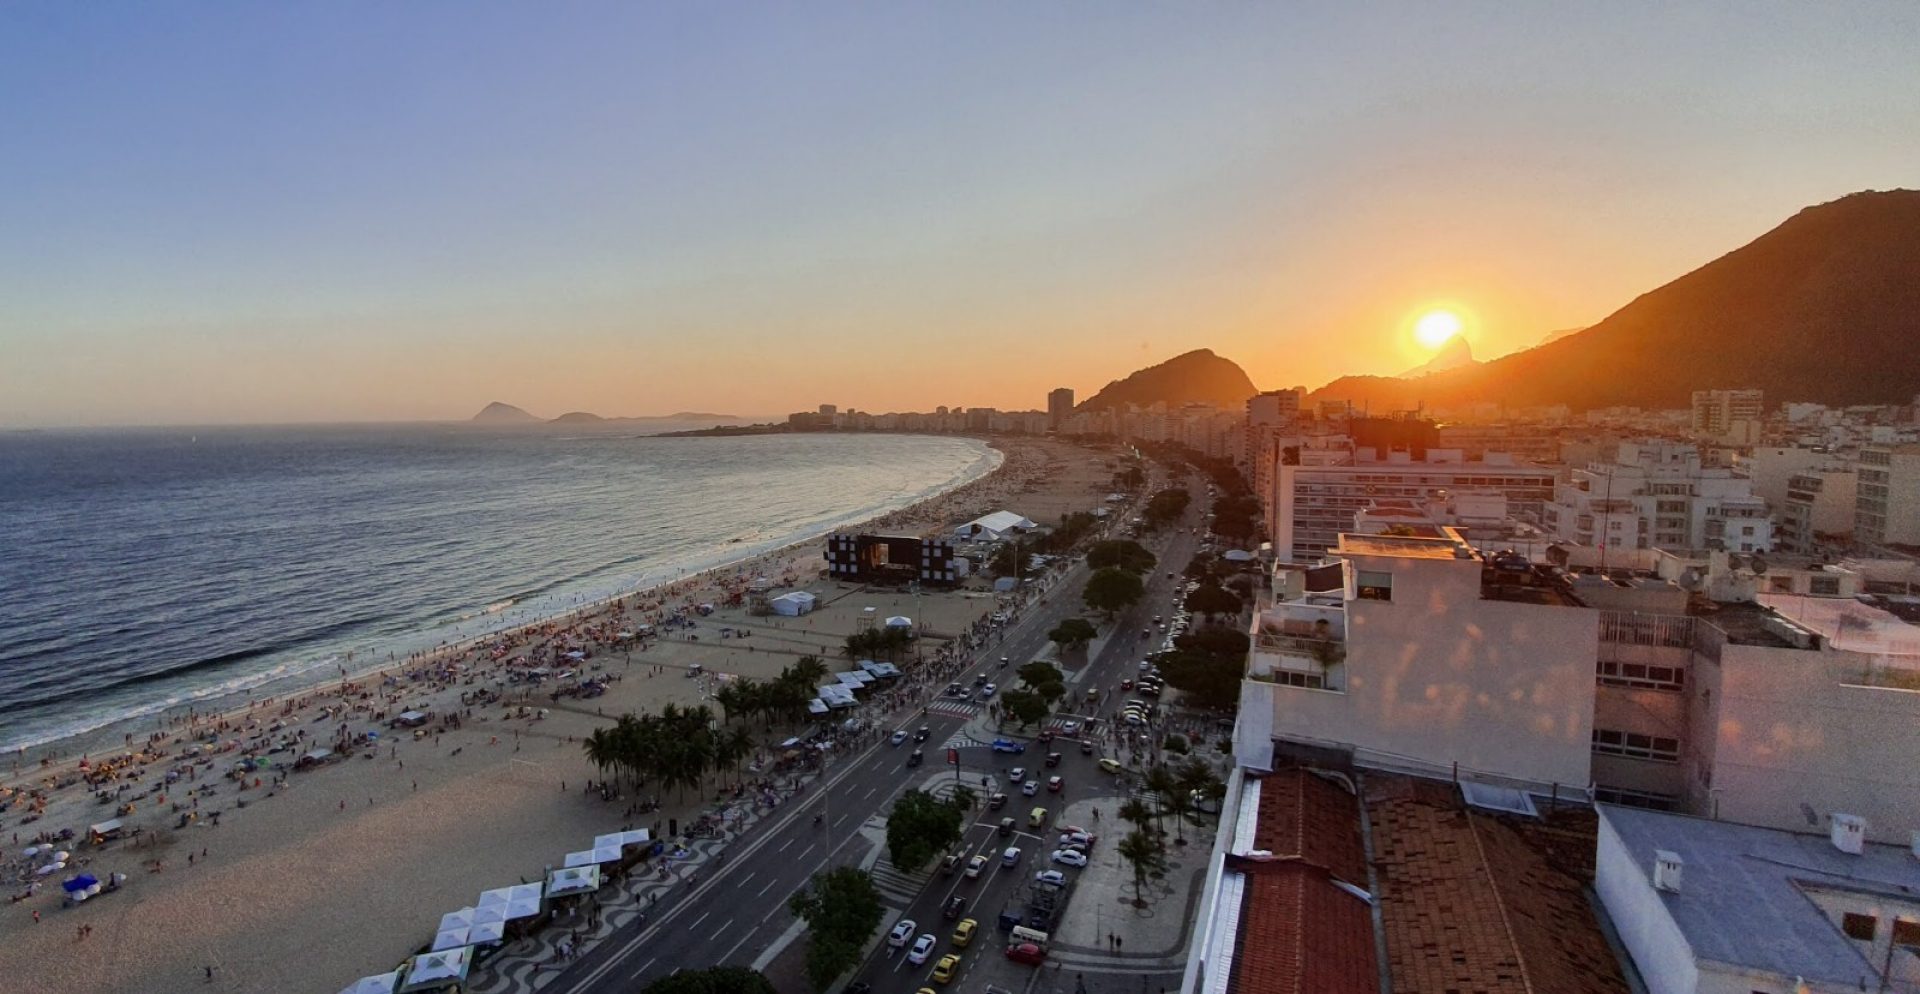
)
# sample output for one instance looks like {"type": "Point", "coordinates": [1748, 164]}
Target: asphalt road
{"type": "Point", "coordinates": [733, 911]}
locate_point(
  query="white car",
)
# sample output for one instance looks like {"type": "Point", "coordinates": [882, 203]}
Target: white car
{"type": "Point", "coordinates": [922, 948]}
{"type": "Point", "coordinates": [1030, 788]}
{"type": "Point", "coordinates": [902, 933]}
{"type": "Point", "coordinates": [1068, 857]}
{"type": "Point", "coordinates": [1054, 877]}
{"type": "Point", "coordinates": [1145, 665]}
{"type": "Point", "coordinates": [898, 737]}
{"type": "Point", "coordinates": [987, 691]}
{"type": "Point", "coordinates": [1017, 774]}
{"type": "Point", "coordinates": [1069, 728]}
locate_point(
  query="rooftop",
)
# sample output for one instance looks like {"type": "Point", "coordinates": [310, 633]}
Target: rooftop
{"type": "Point", "coordinates": [1745, 623]}
{"type": "Point", "coordinates": [1402, 547]}
{"type": "Point", "coordinates": [1481, 903]}
{"type": "Point", "coordinates": [1745, 896]}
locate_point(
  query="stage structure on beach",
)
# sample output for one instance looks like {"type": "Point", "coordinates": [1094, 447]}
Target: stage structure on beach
{"type": "Point", "coordinates": [894, 559]}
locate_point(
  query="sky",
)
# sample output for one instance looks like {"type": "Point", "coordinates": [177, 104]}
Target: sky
{"type": "Point", "coordinates": [239, 213]}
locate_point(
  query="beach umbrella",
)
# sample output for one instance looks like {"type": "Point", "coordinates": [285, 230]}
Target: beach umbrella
{"type": "Point", "coordinates": [452, 938]}
{"type": "Point", "coordinates": [582, 858]}
{"type": "Point", "coordinates": [62, 855]}
{"type": "Point", "coordinates": [456, 919]}
{"type": "Point", "coordinates": [431, 971]}
{"type": "Point", "coordinates": [490, 932]}
{"type": "Point", "coordinates": [49, 868]}
{"type": "Point", "coordinates": [488, 916]}
{"type": "Point", "coordinates": [379, 983]}
{"type": "Point", "coordinates": [522, 906]}
{"type": "Point", "coordinates": [496, 898]}
{"type": "Point", "coordinates": [79, 882]}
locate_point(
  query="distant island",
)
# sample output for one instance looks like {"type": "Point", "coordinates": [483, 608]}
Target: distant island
{"type": "Point", "coordinates": [499, 413]}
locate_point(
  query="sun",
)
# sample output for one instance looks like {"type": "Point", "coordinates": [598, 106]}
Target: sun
{"type": "Point", "coordinates": [1435, 327]}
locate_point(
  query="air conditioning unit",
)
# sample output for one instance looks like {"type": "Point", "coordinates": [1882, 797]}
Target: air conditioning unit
{"type": "Point", "coordinates": [1666, 871]}
{"type": "Point", "coordinates": [1849, 833]}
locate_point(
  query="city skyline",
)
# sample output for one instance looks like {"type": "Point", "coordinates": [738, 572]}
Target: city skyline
{"type": "Point", "coordinates": [327, 214]}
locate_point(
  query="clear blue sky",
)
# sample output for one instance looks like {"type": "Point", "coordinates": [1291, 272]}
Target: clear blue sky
{"type": "Point", "coordinates": [266, 212]}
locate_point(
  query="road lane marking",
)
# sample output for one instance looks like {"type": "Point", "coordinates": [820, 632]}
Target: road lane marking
{"type": "Point", "coordinates": [746, 879]}
{"type": "Point", "coordinates": [784, 845]}
{"type": "Point", "coordinates": [768, 887]}
{"type": "Point", "coordinates": [697, 921]}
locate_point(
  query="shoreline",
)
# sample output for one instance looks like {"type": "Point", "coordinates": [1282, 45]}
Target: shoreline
{"type": "Point", "coordinates": [125, 731]}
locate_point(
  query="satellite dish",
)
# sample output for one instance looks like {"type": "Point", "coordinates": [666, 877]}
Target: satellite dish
{"type": "Point", "coordinates": [1690, 580]}
{"type": "Point", "coordinates": [1758, 565]}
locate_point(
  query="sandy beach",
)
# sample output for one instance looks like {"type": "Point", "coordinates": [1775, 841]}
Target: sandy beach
{"type": "Point", "coordinates": [302, 881]}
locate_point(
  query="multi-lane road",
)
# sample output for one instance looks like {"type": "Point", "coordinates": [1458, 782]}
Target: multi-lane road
{"type": "Point", "coordinates": [730, 913]}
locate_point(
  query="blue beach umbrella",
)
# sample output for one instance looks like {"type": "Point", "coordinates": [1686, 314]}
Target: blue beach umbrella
{"type": "Point", "coordinates": [80, 882]}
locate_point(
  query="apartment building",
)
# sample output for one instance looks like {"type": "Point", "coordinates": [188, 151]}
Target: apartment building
{"type": "Point", "coordinates": [1313, 498]}
{"type": "Point", "coordinates": [1733, 416]}
{"type": "Point", "coordinates": [1414, 652]}
{"type": "Point", "coordinates": [1887, 502]}
{"type": "Point", "coordinates": [1658, 494]}
{"type": "Point", "coordinates": [1819, 509]}
{"type": "Point", "coordinates": [1527, 443]}
{"type": "Point", "coordinates": [1059, 407]}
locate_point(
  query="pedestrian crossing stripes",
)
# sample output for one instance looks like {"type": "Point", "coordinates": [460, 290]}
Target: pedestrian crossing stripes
{"type": "Point", "coordinates": [957, 709]}
{"type": "Point", "coordinates": [900, 887]}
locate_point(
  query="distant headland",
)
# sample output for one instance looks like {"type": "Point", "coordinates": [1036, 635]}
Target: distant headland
{"type": "Point", "coordinates": [506, 414]}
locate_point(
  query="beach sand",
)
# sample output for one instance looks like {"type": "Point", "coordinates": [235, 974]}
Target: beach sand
{"type": "Point", "coordinates": [344, 870]}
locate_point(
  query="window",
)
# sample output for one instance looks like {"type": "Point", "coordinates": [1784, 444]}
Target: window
{"type": "Point", "coordinates": [1906, 932]}
{"type": "Point", "coordinates": [1615, 674]}
{"type": "Point", "coordinates": [1635, 745]}
{"type": "Point", "coordinates": [1374, 585]}
{"type": "Point", "coordinates": [1860, 927]}
{"type": "Point", "coordinates": [1294, 678]}
{"type": "Point", "coordinates": [1635, 798]}
{"type": "Point", "coordinates": [1824, 586]}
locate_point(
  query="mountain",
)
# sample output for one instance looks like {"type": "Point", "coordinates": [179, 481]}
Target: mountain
{"type": "Point", "coordinates": [1193, 377]}
{"type": "Point", "coordinates": [504, 414]}
{"type": "Point", "coordinates": [1455, 354]}
{"type": "Point", "coordinates": [578, 417]}
{"type": "Point", "coordinates": [1554, 336]}
{"type": "Point", "coordinates": [1818, 309]}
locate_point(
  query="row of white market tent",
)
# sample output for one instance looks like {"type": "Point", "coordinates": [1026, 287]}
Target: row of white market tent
{"type": "Point", "coordinates": [464, 931]}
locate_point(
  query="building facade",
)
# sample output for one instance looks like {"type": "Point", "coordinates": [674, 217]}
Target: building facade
{"type": "Point", "coordinates": [1318, 485]}
{"type": "Point", "coordinates": [1887, 503]}
{"type": "Point", "coordinates": [1659, 495]}
{"type": "Point", "coordinates": [1728, 415]}
{"type": "Point", "coordinates": [1059, 407]}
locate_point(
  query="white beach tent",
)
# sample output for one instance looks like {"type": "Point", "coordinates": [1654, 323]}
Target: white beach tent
{"type": "Point", "coordinates": [573, 880]}
{"type": "Point", "coordinates": [793, 603]}
{"type": "Point", "coordinates": [899, 621]}
{"type": "Point", "coordinates": [451, 938]}
{"type": "Point", "coordinates": [995, 526]}
{"type": "Point", "coordinates": [379, 983]}
{"type": "Point", "coordinates": [488, 932]}
{"type": "Point", "coordinates": [431, 971]}
{"type": "Point", "coordinates": [635, 837]}
{"type": "Point", "coordinates": [816, 706]}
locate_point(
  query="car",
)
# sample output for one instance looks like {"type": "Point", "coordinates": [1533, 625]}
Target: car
{"type": "Point", "coordinates": [1008, 745]}
{"type": "Point", "coordinates": [956, 906]}
{"type": "Point", "coordinates": [1150, 689]}
{"type": "Point", "coordinates": [963, 932]}
{"type": "Point", "coordinates": [987, 691]}
{"type": "Point", "coordinates": [1036, 818]}
{"type": "Point", "coordinates": [1017, 774]}
{"type": "Point", "coordinates": [1075, 835]}
{"type": "Point", "coordinates": [1046, 735]}
{"type": "Point", "coordinates": [1156, 619]}
{"type": "Point", "coordinates": [975, 866]}
{"type": "Point", "coordinates": [1109, 764]}
{"type": "Point", "coordinates": [917, 757]}
{"type": "Point", "coordinates": [1011, 857]}
{"type": "Point", "coordinates": [1069, 857]}
{"type": "Point", "coordinates": [1055, 783]}
{"type": "Point", "coordinates": [898, 737]}
{"type": "Point", "coordinates": [1086, 748]}
{"type": "Point", "coordinates": [1006, 826]}
{"type": "Point", "coordinates": [1026, 952]}
{"type": "Point", "coordinates": [943, 971]}
{"type": "Point", "coordinates": [949, 863]}
{"type": "Point", "coordinates": [922, 734]}
{"type": "Point", "coordinates": [1093, 693]}
{"type": "Point", "coordinates": [1030, 788]}
{"type": "Point", "coordinates": [1134, 718]}
{"type": "Point", "coordinates": [1146, 633]}
{"type": "Point", "coordinates": [1053, 760]}
{"type": "Point", "coordinates": [922, 948]}
{"type": "Point", "coordinates": [1069, 728]}
{"type": "Point", "coordinates": [996, 801]}
{"type": "Point", "coordinates": [979, 679]}
{"type": "Point", "coordinates": [1054, 877]}
{"type": "Point", "coordinates": [955, 690]}
{"type": "Point", "coordinates": [1079, 847]}
{"type": "Point", "coordinates": [1145, 665]}
{"type": "Point", "coordinates": [902, 933]}
{"type": "Point", "coordinates": [1170, 575]}
{"type": "Point", "coordinates": [1004, 660]}
{"type": "Point", "coordinates": [1126, 685]}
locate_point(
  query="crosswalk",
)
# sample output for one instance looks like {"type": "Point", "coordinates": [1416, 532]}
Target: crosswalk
{"type": "Point", "coordinates": [955, 708]}
{"type": "Point", "coordinates": [895, 887]}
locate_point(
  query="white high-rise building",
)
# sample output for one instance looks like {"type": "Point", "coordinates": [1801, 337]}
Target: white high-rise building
{"type": "Point", "coordinates": [1728, 415]}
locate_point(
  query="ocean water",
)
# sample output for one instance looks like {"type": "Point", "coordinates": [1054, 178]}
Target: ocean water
{"type": "Point", "coordinates": [149, 571]}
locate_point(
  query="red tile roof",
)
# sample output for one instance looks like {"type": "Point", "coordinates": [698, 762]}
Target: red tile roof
{"type": "Point", "coordinates": [1300, 931]}
{"type": "Point", "coordinates": [1481, 904]}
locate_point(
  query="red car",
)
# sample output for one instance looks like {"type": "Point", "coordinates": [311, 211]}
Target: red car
{"type": "Point", "coordinates": [1026, 952]}
{"type": "Point", "coordinates": [1126, 685]}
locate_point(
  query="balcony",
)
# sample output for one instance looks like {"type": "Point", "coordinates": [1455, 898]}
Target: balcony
{"type": "Point", "coordinates": [1301, 644]}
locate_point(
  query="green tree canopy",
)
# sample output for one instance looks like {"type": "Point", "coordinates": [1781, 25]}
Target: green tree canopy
{"type": "Point", "coordinates": [1207, 681]}
{"type": "Point", "coordinates": [1039, 673]}
{"type": "Point", "coordinates": [919, 827]}
{"type": "Point", "coordinates": [1024, 706]}
{"type": "Point", "coordinates": [1167, 506]}
{"type": "Point", "coordinates": [1121, 553]}
{"type": "Point", "coordinates": [1112, 590]}
{"type": "Point", "coordinates": [712, 980]}
{"type": "Point", "coordinates": [841, 909]}
{"type": "Point", "coordinates": [1144, 852]}
{"type": "Point", "coordinates": [1211, 600]}
{"type": "Point", "coordinates": [1073, 633]}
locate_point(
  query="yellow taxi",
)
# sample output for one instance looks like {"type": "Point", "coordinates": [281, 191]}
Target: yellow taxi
{"type": "Point", "coordinates": [944, 970]}
{"type": "Point", "coordinates": [963, 932]}
{"type": "Point", "coordinates": [1110, 765]}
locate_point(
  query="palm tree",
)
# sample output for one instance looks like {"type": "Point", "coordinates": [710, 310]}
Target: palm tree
{"type": "Point", "coordinates": [1165, 786]}
{"type": "Point", "coordinates": [1144, 853]}
{"type": "Point", "coordinates": [734, 749]}
{"type": "Point", "coordinates": [1135, 812]}
{"type": "Point", "coordinates": [732, 699]}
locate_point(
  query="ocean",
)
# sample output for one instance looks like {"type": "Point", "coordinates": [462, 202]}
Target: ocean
{"type": "Point", "coordinates": [148, 571]}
